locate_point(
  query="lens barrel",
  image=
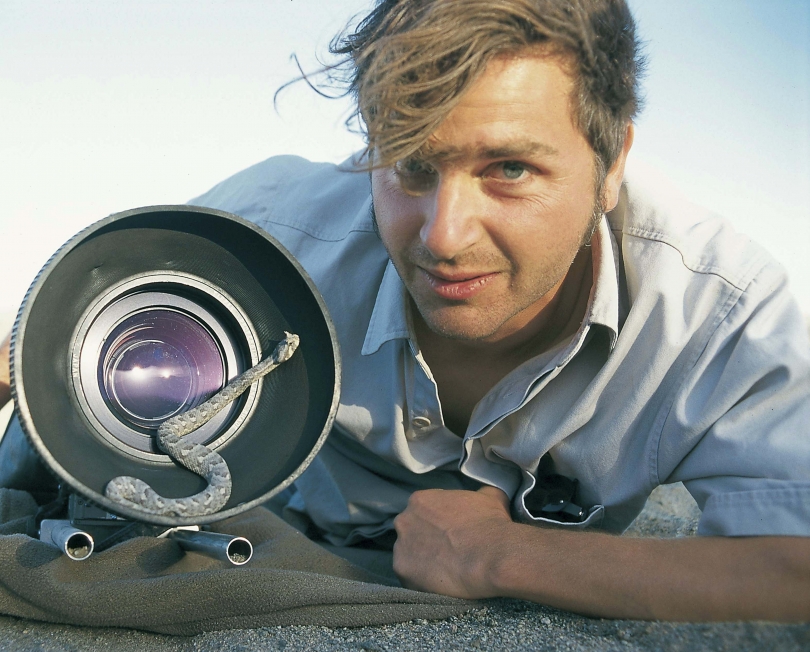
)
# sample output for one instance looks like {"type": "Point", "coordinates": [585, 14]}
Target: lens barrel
{"type": "Point", "coordinates": [147, 313]}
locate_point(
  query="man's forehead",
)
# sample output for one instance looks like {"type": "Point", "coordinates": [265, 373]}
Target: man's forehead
{"type": "Point", "coordinates": [439, 151]}
{"type": "Point", "coordinates": [499, 117]}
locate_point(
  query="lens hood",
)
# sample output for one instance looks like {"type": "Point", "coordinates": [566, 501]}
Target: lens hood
{"type": "Point", "coordinates": [138, 274]}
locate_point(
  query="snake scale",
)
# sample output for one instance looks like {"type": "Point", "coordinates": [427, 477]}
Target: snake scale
{"type": "Point", "coordinates": [137, 494]}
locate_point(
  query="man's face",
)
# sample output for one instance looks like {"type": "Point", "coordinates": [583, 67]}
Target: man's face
{"type": "Point", "coordinates": [484, 223]}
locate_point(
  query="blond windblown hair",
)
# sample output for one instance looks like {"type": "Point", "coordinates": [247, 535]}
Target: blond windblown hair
{"type": "Point", "coordinates": [408, 63]}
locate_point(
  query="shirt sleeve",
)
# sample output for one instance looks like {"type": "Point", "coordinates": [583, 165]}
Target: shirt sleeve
{"type": "Point", "coordinates": [738, 433]}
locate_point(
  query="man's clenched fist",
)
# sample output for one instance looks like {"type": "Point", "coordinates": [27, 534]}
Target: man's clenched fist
{"type": "Point", "coordinates": [448, 541]}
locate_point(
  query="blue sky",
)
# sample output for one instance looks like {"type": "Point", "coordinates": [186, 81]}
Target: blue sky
{"type": "Point", "coordinates": [108, 106]}
{"type": "Point", "coordinates": [728, 115]}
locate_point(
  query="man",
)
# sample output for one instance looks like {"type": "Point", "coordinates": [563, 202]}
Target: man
{"type": "Point", "coordinates": [500, 336]}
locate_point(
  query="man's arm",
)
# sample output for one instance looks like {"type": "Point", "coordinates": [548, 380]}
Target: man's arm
{"type": "Point", "coordinates": [5, 382]}
{"type": "Point", "coordinates": [465, 544]}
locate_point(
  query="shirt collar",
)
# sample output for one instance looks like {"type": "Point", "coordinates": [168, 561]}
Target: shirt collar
{"type": "Point", "coordinates": [603, 303]}
{"type": "Point", "coordinates": [389, 319]}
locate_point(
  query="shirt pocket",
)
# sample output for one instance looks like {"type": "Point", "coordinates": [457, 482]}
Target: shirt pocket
{"type": "Point", "coordinates": [521, 513]}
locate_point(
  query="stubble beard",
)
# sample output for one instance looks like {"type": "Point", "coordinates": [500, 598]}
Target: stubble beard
{"type": "Point", "coordinates": [466, 332]}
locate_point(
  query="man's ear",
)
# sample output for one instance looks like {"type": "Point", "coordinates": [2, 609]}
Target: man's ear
{"type": "Point", "coordinates": [613, 180]}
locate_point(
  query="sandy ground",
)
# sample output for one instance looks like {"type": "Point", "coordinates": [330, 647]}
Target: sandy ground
{"type": "Point", "coordinates": [499, 625]}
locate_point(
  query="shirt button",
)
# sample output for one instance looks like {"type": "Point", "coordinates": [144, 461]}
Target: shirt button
{"type": "Point", "coordinates": [421, 422]}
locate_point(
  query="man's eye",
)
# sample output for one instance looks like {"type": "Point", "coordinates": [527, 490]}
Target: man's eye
{"type": "Point", "coordinates": [414, 167]}
{"type": "Point", "coordinates": [513, 170]}
{"type": "Point", "coordinates": [415, 175]}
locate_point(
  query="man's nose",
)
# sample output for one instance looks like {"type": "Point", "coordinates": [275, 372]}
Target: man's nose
{"type": "Point", "coordinates": [451, 226]}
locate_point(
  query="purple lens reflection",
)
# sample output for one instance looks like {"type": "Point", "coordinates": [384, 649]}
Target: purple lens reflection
{"type": "Point", "coordinates": [158, 363]}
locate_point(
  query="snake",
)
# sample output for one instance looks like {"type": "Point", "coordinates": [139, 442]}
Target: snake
{"type": "Point", "coordinates": [197, 458]}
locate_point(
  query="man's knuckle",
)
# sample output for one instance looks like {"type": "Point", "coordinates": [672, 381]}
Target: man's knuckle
{"type": "Point", "coordinates": [421, 498]}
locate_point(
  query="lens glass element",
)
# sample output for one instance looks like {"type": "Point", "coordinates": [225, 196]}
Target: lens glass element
{"type": "Point", "coordinates": [158, 363]}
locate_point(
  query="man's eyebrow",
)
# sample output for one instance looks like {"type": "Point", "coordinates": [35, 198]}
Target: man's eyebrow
{"type": "Point", "coordinates": [516, 150]}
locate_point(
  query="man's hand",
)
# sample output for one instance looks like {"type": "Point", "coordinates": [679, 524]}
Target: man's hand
{"type": "Point", "coordinates": [464, 544]}
{"type": "Point", "coordinates": [447, 541]}
{"type": "Point", "coordinates": [5, 381]}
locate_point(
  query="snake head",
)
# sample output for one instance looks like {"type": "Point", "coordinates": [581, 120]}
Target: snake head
{"type": "Point", "coordinates": [287, 347]}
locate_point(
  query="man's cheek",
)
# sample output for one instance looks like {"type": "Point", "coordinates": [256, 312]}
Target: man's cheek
{"type": "Point", "coordinates": [397, 232]}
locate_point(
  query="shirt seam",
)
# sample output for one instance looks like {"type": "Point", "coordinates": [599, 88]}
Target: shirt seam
{"type": "Point", "coordinates": [779, 495]}
{"type": "Point", "coordinates": [660, 237]}
{"type": "Point", "coordinates": [312, 234]}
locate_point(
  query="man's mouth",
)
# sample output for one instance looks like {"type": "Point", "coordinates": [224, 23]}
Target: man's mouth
{"type": "Point", "coordinates": [457, 286]}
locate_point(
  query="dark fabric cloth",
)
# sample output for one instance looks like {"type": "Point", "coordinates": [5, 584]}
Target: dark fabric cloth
{"type": "Point", "coordinates": [151, 584]}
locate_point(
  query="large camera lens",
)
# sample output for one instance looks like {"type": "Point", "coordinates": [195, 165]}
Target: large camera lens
{"type": "Point", "coordinates": [154, 346]}
{"type": "Point", "coordinates": [158, 363]}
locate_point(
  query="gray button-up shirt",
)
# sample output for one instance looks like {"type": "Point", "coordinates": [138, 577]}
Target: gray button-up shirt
{"type": "Point", "coordinates": [692, 364]}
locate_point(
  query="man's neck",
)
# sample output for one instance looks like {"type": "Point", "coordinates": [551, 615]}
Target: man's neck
{"type": "Point", "coordinates": [466, 370]}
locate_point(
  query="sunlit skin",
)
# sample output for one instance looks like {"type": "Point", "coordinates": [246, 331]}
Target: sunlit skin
{"type": "Point", "coordinates": [485, 222]}
{"type": "Point", "coordinates": [486, 230]}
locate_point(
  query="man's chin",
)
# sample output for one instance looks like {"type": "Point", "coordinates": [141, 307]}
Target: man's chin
{"type": "Point", "coordinates": [459, 323]}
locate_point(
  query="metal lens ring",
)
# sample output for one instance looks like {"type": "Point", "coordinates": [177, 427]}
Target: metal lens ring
{"type": "Point", "coordinates": [154, 347]}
